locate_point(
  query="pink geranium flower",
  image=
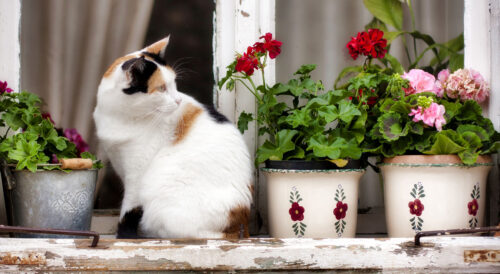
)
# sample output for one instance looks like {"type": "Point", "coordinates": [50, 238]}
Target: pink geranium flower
{"type": "Point", "coordinates": [4, 88]}
{"type": "Point", "coordinates": [432, 116]}
{"type": "Point", "coordinates": [420, 81]}
{"type": "Point", "coordinates": [440, 84]}
{"type": "Point", "coordinates": [75, 137]}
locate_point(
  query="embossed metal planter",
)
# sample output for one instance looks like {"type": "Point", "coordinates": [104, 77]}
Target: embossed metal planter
{"type": "Point", "coordinates": [53, 199]}
{"type": "Point", "coordinates": [433, 192]}
{"type": "Point", "coordinates": [312, 203]}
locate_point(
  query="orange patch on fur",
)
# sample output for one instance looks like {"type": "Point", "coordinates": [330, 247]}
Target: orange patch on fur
{"type": "Point", "coordinates": [157, 47]}
{"type": "Point", "coordinates": [190, 114]}
{"type": "Point", "coordinates": [237, 223]}
{"type": "Point", "coordinates": [116, 63]}
{"type": "Point", "coordinates": [156, 82]}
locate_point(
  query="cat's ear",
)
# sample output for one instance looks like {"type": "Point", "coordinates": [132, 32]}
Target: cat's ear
{"type": "Point", "coordinates": [159, 48]}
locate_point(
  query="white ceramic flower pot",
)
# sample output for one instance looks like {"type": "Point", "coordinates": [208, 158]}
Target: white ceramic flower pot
{"type": "Point", "coordinates": [433, 192]}
{"type": "Point", "coordinates": [312, 203]}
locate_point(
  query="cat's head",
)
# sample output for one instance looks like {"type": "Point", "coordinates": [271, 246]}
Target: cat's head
{"type": "Point", "coordinates": [140, 82]}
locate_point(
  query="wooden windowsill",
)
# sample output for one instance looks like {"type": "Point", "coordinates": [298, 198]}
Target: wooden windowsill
{"type": "Point", "coordinates": [441, 254]}
{"type": "Point", "coordinates": [471, 254]}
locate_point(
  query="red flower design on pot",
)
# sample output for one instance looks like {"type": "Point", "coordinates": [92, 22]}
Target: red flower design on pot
{"type": "Point", "coordinates": [296, 212]}
{"type": "Point", "coordinates": [473, 207]}
{"type": "Point", "coordinates": [416, 207]}
{"type": "Point", "coordinates": [340, 211]}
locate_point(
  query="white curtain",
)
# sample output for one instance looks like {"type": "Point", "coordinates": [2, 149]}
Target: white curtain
{"type": "Point", "coordinates": [317, 31]}
{"type": "Point", "coordinates": [66, 45]}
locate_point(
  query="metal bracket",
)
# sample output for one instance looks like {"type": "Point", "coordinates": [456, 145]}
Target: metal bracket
{"type": "Point", "coordinates": [453, 232]}
{"type": "Point", "coordinates": [18, 229]}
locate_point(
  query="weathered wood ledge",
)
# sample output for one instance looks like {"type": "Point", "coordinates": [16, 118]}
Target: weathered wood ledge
{"type": "Point", "coordinates": [448, 254]}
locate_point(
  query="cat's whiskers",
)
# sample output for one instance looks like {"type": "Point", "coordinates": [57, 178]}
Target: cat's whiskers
{"type": "Point", "coordinates": [180, 70]}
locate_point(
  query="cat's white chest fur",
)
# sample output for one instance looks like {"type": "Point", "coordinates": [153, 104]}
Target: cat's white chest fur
{"type": "Point", "coordinates": [185, 169]}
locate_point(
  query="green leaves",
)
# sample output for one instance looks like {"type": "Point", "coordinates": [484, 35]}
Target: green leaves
{"type": "Point", "coordinates": [305, 69]}
{"type": "Point", "coordinates": [243, 121]}
{"type": "Point", "coordinates": [296, 112]}
{"type": "Point", "coordinates": [275, 151]}
{"type": "Point", "coordinates": [388, 11]}
{"type": "Point", "coordinates": [38, 139]}
{"type": "Point", "coordinates": [26, 151]}
{"type": "Point", "coordinates": [390, 126]}
{"type": "Point", "coordinates": [334, 148]}
{"type": "Point", "coordinates": [445, 143]}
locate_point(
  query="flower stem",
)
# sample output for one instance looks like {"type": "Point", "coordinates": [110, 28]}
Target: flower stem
{"type": "Point", "coordinates": [252, 91]}
{"type": "Point", "coordinates": [413, 27]}
{"type": "Point", "coordinates": [5, 135]}
{"type": "Point", "coordinates": [262, 65]}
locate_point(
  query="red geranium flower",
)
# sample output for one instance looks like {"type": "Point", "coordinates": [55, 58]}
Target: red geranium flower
{"type": "Point", "coordinates": [473, 207]}
{"type": "Point", "coordinates": [371, 44]}
{"type": "Point", "coordinates": [47, 115]}
{"type": "Point", "coordinates": [416, 207]}
{"type": "Point", "coordinates": [270, 45]}
{"type": "Point", "coordinates": [379, 44]}
{"type": "Point", "coordinates": [353, 48]}
{"type": "Point", "coordinates": [4, 88]}
{"type": "Point", "coordinates": [247, 62]}
{"type": "Point", "coordinates": [372, 100]}
{"type": "Point", "coordinates": [340, 211]}
{"type": "Point", "coordinates": [296, 212]}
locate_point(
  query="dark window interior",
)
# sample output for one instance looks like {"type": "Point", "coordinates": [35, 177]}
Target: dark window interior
{"type": "Point", "coordinates": [189, 52]}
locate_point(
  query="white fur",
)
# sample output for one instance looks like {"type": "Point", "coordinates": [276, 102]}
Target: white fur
{"type": "Point", "coordinates": [186, 189]}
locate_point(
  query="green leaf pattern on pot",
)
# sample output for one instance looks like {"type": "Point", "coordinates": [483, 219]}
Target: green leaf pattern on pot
{"type": "Point", "coordinates": [473, 206]}
{"type": "Point", "coordinates": [296, 212]}
{"type": "Point", "coordinates": [340, 211]}
{"type": "Point", "coordinates": [417, 207]}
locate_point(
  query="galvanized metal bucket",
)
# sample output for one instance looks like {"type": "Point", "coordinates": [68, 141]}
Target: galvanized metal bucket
{"type": "Point", "coordinates": [53, 199]}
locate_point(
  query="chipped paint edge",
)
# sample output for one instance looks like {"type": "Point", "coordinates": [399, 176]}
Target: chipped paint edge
{"type": "Point", "coordinates": [254, 254]}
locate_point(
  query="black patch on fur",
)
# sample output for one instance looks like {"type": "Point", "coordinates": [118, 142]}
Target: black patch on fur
{"type": "Point", "coordinates": [218, 117]}
{"type": "Point", "coordinates": [140, 71]}
{"type": "Point", "coordinates": [155, 57]}
{"type": "Point", "coordinates": [129, 224]}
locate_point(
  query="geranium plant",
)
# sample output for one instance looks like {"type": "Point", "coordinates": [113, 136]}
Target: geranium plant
{"type": "Point", "coordinates": [34, 142]}
{"type": "Point", "coordinates": [314, 125]}
{"type": "Point", "coordinates": [416, 113]}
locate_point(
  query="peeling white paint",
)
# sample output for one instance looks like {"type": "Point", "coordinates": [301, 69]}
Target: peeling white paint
{"type": "Point", "coordinates": [443, 254]}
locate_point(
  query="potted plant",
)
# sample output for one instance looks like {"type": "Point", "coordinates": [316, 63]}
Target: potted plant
{"type": "Point", "coordinates": [430, 132]}
{"type": "Point", "coordinates": [41, 190]}
{"type": "Point", "coordinates": [312, 147]}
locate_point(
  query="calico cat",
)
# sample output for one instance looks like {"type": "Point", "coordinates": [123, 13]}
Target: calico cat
{"type": "Point", "coordinates": [186, 170]}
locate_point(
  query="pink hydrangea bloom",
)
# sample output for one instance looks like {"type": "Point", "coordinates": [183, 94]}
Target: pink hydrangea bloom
{"type": "Point", "coordinates": [467, 84]}
{"type": "Point", "coordinates": [420, 81]}
{"type": "Point", "coordinates": [432, 116]}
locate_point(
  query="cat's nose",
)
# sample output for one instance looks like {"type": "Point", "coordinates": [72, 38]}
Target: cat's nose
{"type": "Point", "coordinates": [178, 100]}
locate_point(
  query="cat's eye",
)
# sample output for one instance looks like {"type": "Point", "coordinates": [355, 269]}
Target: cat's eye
{"type": "Point", "coordinates": [162, 87]}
